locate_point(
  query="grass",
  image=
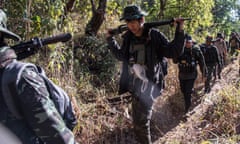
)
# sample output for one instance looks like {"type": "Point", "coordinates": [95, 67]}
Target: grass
{"type": "Point", "coordinates": [225, 117]}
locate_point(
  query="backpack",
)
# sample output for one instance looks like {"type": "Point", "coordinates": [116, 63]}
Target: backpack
{"type": "Point", "coordinates": [61, 100]}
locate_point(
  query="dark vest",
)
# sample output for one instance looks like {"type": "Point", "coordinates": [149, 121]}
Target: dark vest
{"type": "Point", "coordinates": [187, 63]}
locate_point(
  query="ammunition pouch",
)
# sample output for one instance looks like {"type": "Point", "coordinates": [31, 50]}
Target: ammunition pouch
{"type": "Point", "coordinates": [187, 68]}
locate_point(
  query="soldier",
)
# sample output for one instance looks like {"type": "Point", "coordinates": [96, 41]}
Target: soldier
{"type": "Point", "coordinates": [187, 64]}
{"type": "Point", "coordinates": [234, 44]}
{"type": "Point", "coordinates": [220, 43]}
{"type": "Point", "coordinates": [212, 58]}
{"type": "Point", "coordinates": [41, 123]}
{"type": "Point", "coordinates": [141, 52]}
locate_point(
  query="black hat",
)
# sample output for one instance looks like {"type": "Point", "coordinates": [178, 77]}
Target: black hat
{"type": "Point", "coordinates": [132, 12]}
{"type": "Point", "coordinates": [220, 35]}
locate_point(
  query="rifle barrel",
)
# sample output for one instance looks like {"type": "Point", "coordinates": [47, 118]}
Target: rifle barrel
{"type": "Point", "coordinates": [124, 27]}
{"type": "Point", "coordinates": [28, 48]}
{"type": "Point", "coordinates": [54, 39]}
{"type": "Point", "coordinates": [158, 23]}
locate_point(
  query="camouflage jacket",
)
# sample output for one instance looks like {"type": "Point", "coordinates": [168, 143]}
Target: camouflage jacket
{"type": "Point", "coordinates": [41, 123]}
{"type": "Point", "coordinates": [221, 46]}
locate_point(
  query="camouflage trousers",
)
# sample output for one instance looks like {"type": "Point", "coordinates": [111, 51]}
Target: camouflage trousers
{"type": "Point", "coordinates": [22, 131]}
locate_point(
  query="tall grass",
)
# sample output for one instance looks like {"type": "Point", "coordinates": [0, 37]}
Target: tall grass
{"type": "Point", "coordinates": [224, 117]}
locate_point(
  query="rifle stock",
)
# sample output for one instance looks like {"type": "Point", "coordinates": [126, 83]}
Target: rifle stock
{"type": "Point", "coordinates": [28, 48]}
{"type": "Point", "coordinates": [124, 27]}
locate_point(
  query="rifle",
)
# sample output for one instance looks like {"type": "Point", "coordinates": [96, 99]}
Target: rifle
{"type": "Point", "coordinates": [28, 48]}
{"type": "Point", "coordinates": [124, 27]}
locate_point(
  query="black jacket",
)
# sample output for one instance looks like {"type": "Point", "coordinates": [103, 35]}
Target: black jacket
{"type": "Point", "coordinates": [211, 55]}
{"type": "Point", "coordinates": [157, 46]}
{"type": "Point", "coordinates": [188, 62]}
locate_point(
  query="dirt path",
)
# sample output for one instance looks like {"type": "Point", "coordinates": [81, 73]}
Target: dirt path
{"type": "Point", "coordinates": [171, 125]}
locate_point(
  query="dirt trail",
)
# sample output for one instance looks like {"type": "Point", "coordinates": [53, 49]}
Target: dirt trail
{"type": "Point", "coordinates": [171, 125]}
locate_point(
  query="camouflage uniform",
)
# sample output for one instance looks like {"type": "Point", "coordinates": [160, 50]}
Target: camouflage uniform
{"type": "Point", "coordinates": [41, 118]}
{"type": "Point", "coordinates": [144, 53]}
{"type": "Point", "coordinates": [222, 50]}
{"type": "Point", "coordinates": [234, 44]}
{"type": "Point", "coordinates": [41, 122]}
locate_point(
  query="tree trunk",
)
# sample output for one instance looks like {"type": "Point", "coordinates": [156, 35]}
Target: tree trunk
{"type": "Point", "coordinates": [69, 6]}
{"type": "Point", "coordinates": [162, 8]}
{"type": "Point", "coordinates": [97, 19]}
{"type": "Point", "coordinates": [2, 4]}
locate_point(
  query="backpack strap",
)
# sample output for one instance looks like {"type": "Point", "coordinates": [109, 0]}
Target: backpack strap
{"type": "Point", "coordinates": [57, 95]}
{"type": "Point", "coordinates": [10, 79]}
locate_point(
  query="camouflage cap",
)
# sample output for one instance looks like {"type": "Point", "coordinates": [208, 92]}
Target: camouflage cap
{"type": "Point", "coordinates": [3, 27]}
{"type": "Point", "coordinates": [132, 12]}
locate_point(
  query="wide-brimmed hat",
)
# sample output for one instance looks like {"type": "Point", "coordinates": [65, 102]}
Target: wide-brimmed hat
{"type": "Point", "coordinates": [132, 12]}
{"type": "Point", "coordinates": [3, 27]}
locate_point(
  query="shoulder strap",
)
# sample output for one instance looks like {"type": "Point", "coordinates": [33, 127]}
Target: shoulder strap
{"type": "Point", "coordinates": [10, 78]}
{"type": "Point", "coordinates": [57, 94]}
{"type": "Point", "coordinates": [59, 97]}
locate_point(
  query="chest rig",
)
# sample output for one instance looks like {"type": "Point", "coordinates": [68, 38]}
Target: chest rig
{"type": "Point", "coordinates": [137, 51]}
{"type": "Point", "coordinates": [187, 62]}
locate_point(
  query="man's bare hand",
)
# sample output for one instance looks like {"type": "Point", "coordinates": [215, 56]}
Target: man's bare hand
{"type": "Point", "coordinates": [180, 22]}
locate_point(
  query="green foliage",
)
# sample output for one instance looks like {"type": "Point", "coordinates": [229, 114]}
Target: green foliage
{"type": "Point", "coordinates": [152, 10]}
{"type": "Point", "coordinates": [93, 57]}
{"type": "Point", "coordinates": [199, 11]}
{"type": "Point", "coordinates": [226, 16]}
{"type": "Point", "coordinates": [34, 17]}
{"type": "Point", "coordinates": [113, 8]}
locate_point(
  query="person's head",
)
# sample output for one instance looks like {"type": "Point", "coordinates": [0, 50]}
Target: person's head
{"type": "Point", "coordinates": [233, 34]}
{"type": "Point", "coordinates": [188, 41]}
{"type": "Point", "coordinates": [134, 17]}
{"type": "Point", "coordinates": [209, 40]}
{"type": "Point", "coordinates": [220, 35]}
{"type": "Point", "coordinates": [4, 32]}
